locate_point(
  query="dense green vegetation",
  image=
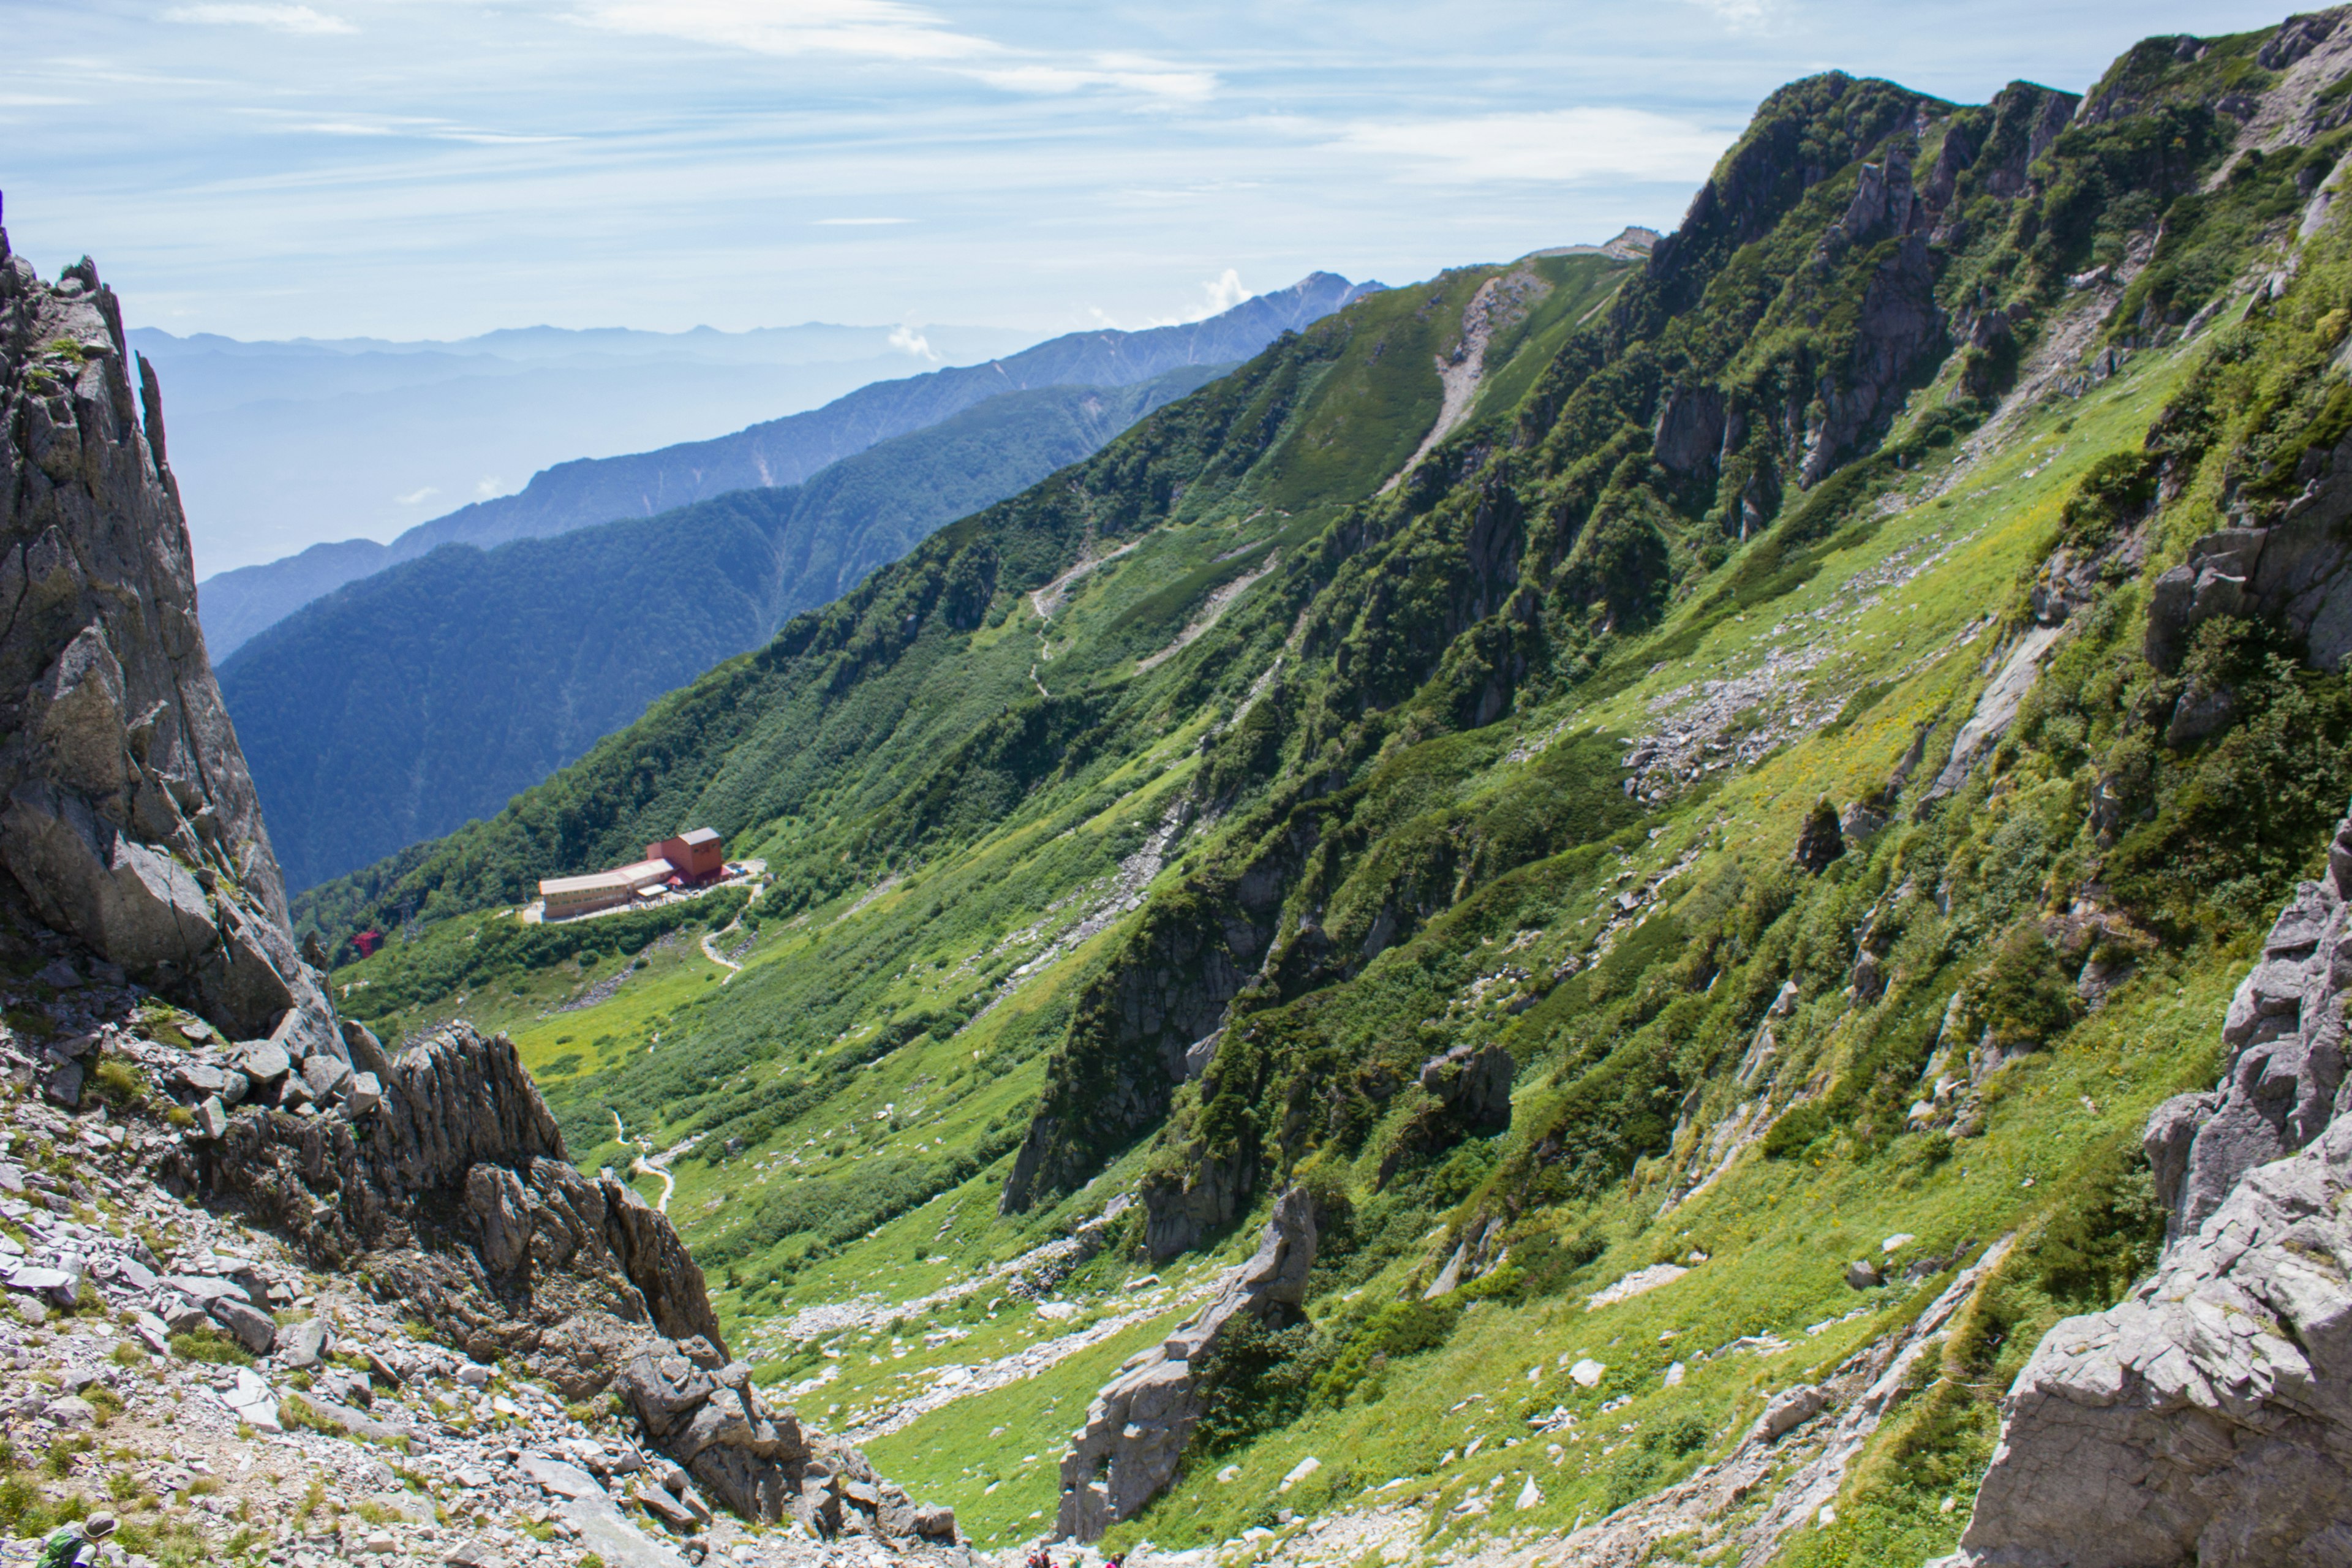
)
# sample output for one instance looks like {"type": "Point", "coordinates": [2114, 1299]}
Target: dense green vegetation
{"type": "Point", "coordinates": [400, 706]}
{"type": "Point", "coordinates": [1144, 836]}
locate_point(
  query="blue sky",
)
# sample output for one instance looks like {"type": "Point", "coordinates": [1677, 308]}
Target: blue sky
{"type": "Point", "coordinates": [432, 168]}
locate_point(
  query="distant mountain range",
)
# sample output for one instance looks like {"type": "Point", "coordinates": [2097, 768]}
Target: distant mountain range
{"type": "Point", "coordinates": [399, 707]}
{"type": "Point", "coordinates": [282, 443]}
{"type": "Point", "coordinates": [235, 605]}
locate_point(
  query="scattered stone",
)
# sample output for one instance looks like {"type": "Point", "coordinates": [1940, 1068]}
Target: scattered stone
{"type": "Point", "coordinates": [1587, 1372]}
{"type": "Point", "coordinates": [253, 1328]}
{"type": "Point", "coordinates": [1787, 1410]}
{"type": "Point", "coordinates": [1863, 1274]}
{"type": "Point", "coordinates": [72, 1412]}
{"type": "Point", "coordinates": [1299, 1472]}
{"type": "Point", "coordinates": [300, 1346]}
{"type": "Point", "coordinates": [561, 1478]}
{"type": "Point", "coordinates": [212, 1118]}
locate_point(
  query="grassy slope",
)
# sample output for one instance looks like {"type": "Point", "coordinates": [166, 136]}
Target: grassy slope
{"type": "Point", "coordinates": [850, 1044]}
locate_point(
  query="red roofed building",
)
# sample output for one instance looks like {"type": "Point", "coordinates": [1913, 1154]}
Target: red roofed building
{"type": "Point", "coordinates": [698, 855]}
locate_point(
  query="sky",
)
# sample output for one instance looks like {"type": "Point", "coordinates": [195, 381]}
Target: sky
{"type": "Point", "coordinates": [436, 168]}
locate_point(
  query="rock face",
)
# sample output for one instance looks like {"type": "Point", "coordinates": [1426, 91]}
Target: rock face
{"type": "Point", "coordinates": [2291, 564]}
{"type": "Point", "coordinates": [2209, 1417]}
{"type": "Point", "coordinates": [127, 817]}
{"type": "Point", "coordinates": [129, 828]}
{"type": "Point", "coordinates": [459, 1191]}
{"type": "Point", "coordinates": [1475, 1084]}
{"type": "Point", "coordinates": [1137, 1425]}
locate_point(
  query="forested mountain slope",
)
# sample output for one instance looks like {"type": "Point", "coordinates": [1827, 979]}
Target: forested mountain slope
{"type": "Point", "coordinates": [1691, 894]}
{"type": "Point", "coordinates": [590, 490]}
{"type": "Point", "coordinates": [421, 697]}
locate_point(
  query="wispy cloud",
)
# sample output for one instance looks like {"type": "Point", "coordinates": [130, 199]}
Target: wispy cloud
{"type": "Point", "coordinates": [1218, 295]}
{"type": "Point", "coordinates": [1741, 15]}
{"type": "Point", "coordinates": [859, 222]}
{"type": "Point", "coordinates": [875, 29]}
{"type": "Point", "coordinates": [276, 18]}
{"type": "Point", "coordinates": [415, 127]}
{"type": "Point", "coordinates": [908, 340]}
{"type": "Point", "coordinates": [1125, 73]}
{"type": "Point", "coordinates": [1555, 146]}
{"type": "Point", "coordinates": [893, 31]}
{"type": "Point", "coordinates": [418, 498]}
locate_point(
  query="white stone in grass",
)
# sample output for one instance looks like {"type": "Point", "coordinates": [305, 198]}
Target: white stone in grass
{"type": "Point", "coordinates": [1635, 1284]}
{"type": "Point", "coordinates": [1530, 1496]}
{"type": "Point", "coordinates": [1300, 1471]}
{"type": "Point", "coordinates": [1674, 1375]}
{"type": "Point", "coordinates": [1896, 1242]}
{"type": "Point", "coordinates": [1587, 1374]}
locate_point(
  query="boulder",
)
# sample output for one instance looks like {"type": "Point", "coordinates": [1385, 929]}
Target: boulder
{"type": "Point", "coordinates": [198, 1078]}
{"type": "Point", "coordinates": [263, 1062]}
{"type": "Point", "coordinates": [1788, 1410]}
{"type": "Point", "coordinates": [304, 1344]}
{"type": "Point", "coordinates": [253, 1328]}
{"type": "Point", "coordinates": [329, 1078]}
{"type": "Point", "coordinates": [62, 1084]}
{"type": "Point", "coordinates": [212, 1118]}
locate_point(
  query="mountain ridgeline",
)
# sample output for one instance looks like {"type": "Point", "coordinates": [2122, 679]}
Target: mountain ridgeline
{"type": "Point", "coordinates": [400, 706]}
{"type": "Point", "coordinates": [239, 604]}
{"type": "Point", "coordinates": [1651, 831]}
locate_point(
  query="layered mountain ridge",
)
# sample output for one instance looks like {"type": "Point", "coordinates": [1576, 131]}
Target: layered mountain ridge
{"type": "Point", "coordinates": [778, 452]}
{"type": "Point", "coordinates": [425, 696]}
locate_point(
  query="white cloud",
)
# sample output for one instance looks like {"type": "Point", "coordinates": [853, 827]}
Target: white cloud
{"type": "Point", "coordinates": [1218, 295]}
{"type": "Point", "coordinates": [859, 222]}
{"type": "Point", "coordinates": [1555, 146]}
{"type": "Point", "coordinates": [1224, 293]}
{"type": "Point", "coordinates": [908, 340]}
{"type": "Point", "coordinates": [487, 486]}
{"type": "Point", "coordinates": [276, 18]}
{"type": "Point", "coordinates": [418, 498]}
{"type": "Point", "coordinates": [1740, 16]}
{"type": "Point", "coordinates": [877, 29]}
{"type": "Point", "coordinates": [1125, 73]}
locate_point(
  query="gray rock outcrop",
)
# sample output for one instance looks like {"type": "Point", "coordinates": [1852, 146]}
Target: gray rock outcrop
{"type": "Point", "coordinates": [2208, 1418]}
{"type": "Point", "coordinates": [1475, 1084]}
{"type": "Point", "coordinates": [127, 817]}
{"type": "Point", "coordinates": [1137, 1425]}
{"type": "Point", "coordinates": [2289, 563]}
{"type": "Point", "coordinates": [129, 830]}
{"type": "Point", "coordinates": [459, 1191]}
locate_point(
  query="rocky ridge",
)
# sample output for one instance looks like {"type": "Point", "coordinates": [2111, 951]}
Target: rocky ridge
{"type": "Point", "coordinates": [223, 1187]}
{"type": "Point", "coordinates": [2204, 1418]}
